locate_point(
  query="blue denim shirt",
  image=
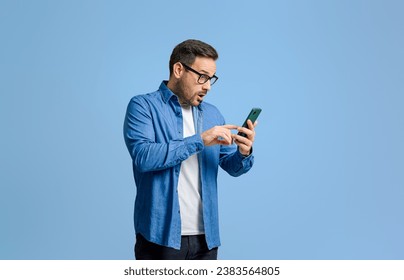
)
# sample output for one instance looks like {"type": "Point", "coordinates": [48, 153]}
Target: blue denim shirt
{"type": "Point", "coordinates": [153, 133]}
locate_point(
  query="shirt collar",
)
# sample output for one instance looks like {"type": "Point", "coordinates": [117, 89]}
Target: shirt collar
{"type": "Point", "coordinates": [166, 93]}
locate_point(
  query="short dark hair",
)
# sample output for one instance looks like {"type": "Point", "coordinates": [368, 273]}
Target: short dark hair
{"type": "Point", "coordinates": [188, 50]}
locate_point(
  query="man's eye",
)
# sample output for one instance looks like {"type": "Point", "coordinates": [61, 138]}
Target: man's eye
{"type": "Point", "coordinates": [205, 77]}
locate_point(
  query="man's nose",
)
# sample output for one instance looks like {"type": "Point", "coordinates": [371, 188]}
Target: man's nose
{"type": "Point", "coordinates": [206, 86]}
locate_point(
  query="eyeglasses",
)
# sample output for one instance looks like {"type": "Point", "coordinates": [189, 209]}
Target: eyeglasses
{"type": "Point", "coordinates": [203, 78]}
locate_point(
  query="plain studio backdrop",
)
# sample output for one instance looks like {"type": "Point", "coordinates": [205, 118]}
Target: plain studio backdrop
{"type": "Point", "coordinates": [328, 180]}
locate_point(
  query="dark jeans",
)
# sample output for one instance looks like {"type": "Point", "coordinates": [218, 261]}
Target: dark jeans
{"type": "Point", "coordinates": [193, 247]}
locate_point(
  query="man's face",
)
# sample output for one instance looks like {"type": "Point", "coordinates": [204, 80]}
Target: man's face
{"type": "Point", "coordinates": [189, 91]}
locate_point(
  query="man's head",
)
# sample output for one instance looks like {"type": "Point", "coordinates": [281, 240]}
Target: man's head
{"type": "Point", "coordinates": [187, 51]}
{"type": "Point", "coordinates": [192, 70]}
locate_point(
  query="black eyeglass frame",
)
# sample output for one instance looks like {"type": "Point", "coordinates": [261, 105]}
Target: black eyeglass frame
{"type": "Point", "coordinates": [205, 77]}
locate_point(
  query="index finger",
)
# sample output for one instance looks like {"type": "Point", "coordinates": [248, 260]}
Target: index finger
{"type": "Point", "coordinates": [230, 126]}
{"type": "Point", "coordinates": [252, 125]}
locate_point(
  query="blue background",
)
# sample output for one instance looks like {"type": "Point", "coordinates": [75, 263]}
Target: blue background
{"type": "Point", "coordinates": [328, 180]}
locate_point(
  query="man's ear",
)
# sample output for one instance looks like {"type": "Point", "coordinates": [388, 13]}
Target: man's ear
{"type": "Point", "coordinates": [178, 70]}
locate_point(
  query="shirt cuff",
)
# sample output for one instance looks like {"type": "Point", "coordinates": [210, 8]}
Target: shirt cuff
{"type": "Point", "coordinates": [243, 156]}
{"type": "Point", "coordinates": [194, 144]}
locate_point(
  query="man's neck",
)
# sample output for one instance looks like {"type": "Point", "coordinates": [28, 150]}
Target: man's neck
{"type": "Point", "coordinates": [173, 87]}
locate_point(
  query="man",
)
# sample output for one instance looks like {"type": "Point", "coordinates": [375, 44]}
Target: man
{"type": "Point", "coordinates": [177, 141]}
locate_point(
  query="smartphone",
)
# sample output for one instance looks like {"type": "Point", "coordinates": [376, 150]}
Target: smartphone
{"type": "Point", "coordinates": [253, 115]}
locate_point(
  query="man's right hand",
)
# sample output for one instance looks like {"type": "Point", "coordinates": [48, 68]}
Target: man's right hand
{"type": "Point", "coordinates": [218, 135]}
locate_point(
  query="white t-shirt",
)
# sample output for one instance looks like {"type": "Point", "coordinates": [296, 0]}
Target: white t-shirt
{"type": "Point", "coordinates": [189, 187]}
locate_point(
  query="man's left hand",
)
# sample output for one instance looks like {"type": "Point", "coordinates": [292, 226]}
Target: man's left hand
{"type": "Point", "coordinates": [245, 143]}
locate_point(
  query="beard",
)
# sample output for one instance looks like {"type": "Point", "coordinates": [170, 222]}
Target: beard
{"type": "Point", "coordinates": [181, 91]}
